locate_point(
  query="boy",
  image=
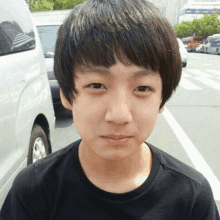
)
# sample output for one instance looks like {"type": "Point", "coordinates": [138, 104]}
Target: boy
{"type": "Point", "coordinates": [117, 63]}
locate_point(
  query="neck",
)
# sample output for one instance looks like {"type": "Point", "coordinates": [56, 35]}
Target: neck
{"type": "Point", "coordinates": [136, 166]}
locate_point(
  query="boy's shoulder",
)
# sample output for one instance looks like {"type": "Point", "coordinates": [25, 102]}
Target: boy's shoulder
{"type": "Point", "coordinates": [172, 164]}
{"type": "Point", "coordinates": [48, 166]}
{"type": "Point", "coordinates": [41, 180]}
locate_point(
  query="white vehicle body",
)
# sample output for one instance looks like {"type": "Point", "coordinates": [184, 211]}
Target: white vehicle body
{"type": "Point", "coordinates": [196, 10]}
{"type": "Point", "coordinates": [25, 97]}
{"type": "Point", "coordinates": [50, 16]}
{"type": "Point", "coordinates": [199, 49]}
{"type": "Point", "coordinates": [214, 47]}
{"type": "Point", "coordinates": [183, 53]}
{"type": "Point", "coordinates": [209, 40]}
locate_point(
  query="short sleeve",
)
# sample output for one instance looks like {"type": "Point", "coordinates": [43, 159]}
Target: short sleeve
{"type": "Point", "coordinates": [24, 200]}
{"type": "Point", "coordinates": [205, 207]}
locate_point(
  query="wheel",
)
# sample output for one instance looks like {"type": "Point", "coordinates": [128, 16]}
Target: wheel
{"type": "Point", "coordinates": [184, 64]}
{"type": "Point", "coordinates": [39, 146]}
{"type": "Point", "coordinates": [217, 52]}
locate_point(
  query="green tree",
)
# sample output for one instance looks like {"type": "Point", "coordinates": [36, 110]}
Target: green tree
{"type": "Point", "coordinates": [50, 5]}
{"type": "Point", "coordinates": [66, 4]}
{"type": "Point", "coordinates": [211, 25]}
{"type": "Point", "coordinates": [208, 25]}
{"type": "Point", "coordinates": [41, 5]}
{"type": "Point", "coordinates": [184, 29]}
{"type": "Point", "coordinates": [199, 27]}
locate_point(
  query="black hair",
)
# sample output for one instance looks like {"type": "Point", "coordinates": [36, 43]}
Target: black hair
{"type": "Point", "coordinates": [98, 31]}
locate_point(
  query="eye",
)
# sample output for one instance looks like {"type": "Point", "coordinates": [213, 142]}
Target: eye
{"type": "Point", "coordinates": [96, 86]}
{"type": "Point", "coordinates": [144, 88]}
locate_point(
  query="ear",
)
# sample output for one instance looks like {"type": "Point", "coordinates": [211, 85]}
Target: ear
{"type": "Point", "coordinates": [64, 101]}
{"type": "Point", "coordinates": [161, 110]}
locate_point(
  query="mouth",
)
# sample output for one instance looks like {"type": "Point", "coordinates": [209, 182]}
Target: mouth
{"type": "Point", "coordinates": [116, 137]}
{"type": "Point", "coordinates": [119, 141]}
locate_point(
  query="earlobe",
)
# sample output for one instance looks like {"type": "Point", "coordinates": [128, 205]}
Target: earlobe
{"type": "Point", "coordinates": [64, 101]}
{"type": "Point", "coordinates": [161, 110]}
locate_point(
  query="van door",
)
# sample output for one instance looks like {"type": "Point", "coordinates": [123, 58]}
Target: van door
{"type": "Point", "coordinates": [9, 159]}
{"type": "Point", "coordinates": [18, 30]}
{"type": "Point", "coordinates": [16, 36]}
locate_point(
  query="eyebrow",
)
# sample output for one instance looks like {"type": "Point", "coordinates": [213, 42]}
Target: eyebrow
{"type": "Point", "coordinates": [105, 72]}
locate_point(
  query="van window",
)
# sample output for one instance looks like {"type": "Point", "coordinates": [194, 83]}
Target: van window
{"type": "Point", "coordinates": [16, 30]}
{"type": "Point", "coordinates": [215, 44]}
{"type": "Point", "coordinates": [212, 39]}
{"type": "Point", "coordinates": [197, 40]}
{"type": "Point", "coordinates": [48, 36]}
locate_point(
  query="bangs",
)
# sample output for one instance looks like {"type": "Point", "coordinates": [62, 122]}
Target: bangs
{"type": "Point", "coordinates": [100, 32]}
{"type": "Point", "coordinates": [110, 33]}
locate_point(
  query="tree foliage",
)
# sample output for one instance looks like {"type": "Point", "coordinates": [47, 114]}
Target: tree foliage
{"type": "Point", "coordinates": [184, 29]}
{"type": "Point", "coordinates": [208, 25]}
{"type": "Point", "coordinates": [50, 5]}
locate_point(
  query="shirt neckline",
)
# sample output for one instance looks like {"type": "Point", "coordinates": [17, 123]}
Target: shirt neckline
{"type": "Point", "coordinates": [118, 196]}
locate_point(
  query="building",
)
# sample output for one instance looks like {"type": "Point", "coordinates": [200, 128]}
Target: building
{"type": "Point", "coordinates": [196, 10]}
{"type": "Point", "coordinates": [171, 8]}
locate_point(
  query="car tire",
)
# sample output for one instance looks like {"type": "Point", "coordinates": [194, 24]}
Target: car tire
{"type": "Point", "coordinates": [217, 52]}
{"type": "Point", "coordinates": [39, 145]}
{"type": "Point", "coordinates": [184, 64]}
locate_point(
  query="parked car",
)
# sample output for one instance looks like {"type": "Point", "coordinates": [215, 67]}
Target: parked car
{"type": "Point", "coordinates": [183, 52]}
{"type": "Point", "coordinates": [214, 47]}
{"type": "Point", "coordinates": [48, 35]}
{"type": "Point", "coordinates": [186, 41]}
{"type": "Point", "coordinates": [209, 40]}
{"type": "Point", "coordinates": [195, 42]}
{"type": "Point", "coordinates": [216, 35]}
{"type": "Point", "coordinates": [26, 110]}
{"type": "Point", "coordinates": [200, 48]}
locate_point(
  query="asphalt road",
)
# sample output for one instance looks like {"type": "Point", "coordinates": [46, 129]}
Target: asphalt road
{"type": "Point", "coordinates": [189, 128]}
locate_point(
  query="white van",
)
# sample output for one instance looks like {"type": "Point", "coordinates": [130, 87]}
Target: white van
{"type": "Point", "coordinates": [27, 120]}
{"type": "Point", "coordinates": [209, 40]}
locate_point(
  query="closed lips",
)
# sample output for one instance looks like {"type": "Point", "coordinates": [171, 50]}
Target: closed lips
{"type": "Point", "coordinates": [116, 138]}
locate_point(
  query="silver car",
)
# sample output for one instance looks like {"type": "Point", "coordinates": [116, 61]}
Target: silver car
{"type": "Point", "coordinates": [200, 48]}
{"type": "Point", "coordinates": [48, 35]}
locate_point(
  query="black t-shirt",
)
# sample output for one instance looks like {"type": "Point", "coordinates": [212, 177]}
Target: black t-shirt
{"type": "Point", "coordinates": [56, 187]}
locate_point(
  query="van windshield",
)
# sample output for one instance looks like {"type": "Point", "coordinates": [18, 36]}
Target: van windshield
{"type": "Point", "coordinates": [197, 39]}
{"type": "Point", "coordinates": [212, 39]}
{"type": "Point", "coordinates": [48, 36]}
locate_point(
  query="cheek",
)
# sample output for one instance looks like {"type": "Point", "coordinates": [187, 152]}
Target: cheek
{"type": "Point", "coordinates": [87, 116]}
{"type": "Point", "coordinates": [146, 119]}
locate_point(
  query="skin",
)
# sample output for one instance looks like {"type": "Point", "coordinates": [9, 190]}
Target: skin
{"type": "Point", "coordinates": [119, 104]}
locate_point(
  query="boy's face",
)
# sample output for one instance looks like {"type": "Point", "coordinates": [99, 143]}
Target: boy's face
{"type": "Point", "coordinates": [121, 100]}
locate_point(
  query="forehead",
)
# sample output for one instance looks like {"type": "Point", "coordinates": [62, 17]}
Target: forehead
{"type": "Point", "coordinates": [119, 68]}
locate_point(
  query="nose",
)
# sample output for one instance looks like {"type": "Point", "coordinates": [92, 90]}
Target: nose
{"type": "Point", "coordinates": [118, 110]}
